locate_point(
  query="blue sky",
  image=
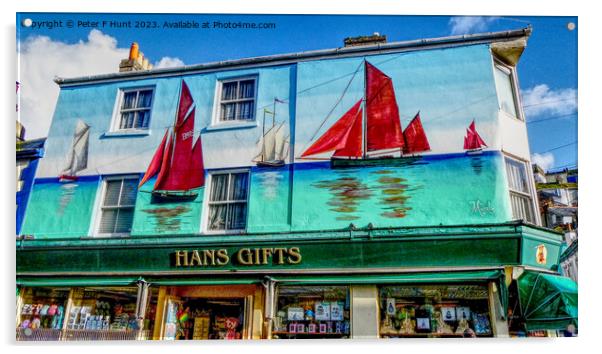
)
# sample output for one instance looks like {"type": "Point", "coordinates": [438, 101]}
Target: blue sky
{"type": "Point", "coordinates": [547, 70]}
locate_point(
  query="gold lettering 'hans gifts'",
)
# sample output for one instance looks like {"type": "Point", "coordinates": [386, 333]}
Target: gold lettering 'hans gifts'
{"type": "Point", "coordinates": [244, 257]}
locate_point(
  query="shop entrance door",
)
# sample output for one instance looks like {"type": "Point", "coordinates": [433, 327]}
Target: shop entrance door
{"type": "Point", "coordinates": [199, 318]}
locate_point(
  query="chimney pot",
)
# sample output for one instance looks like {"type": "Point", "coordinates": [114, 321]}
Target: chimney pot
{"type": "Point", "coordinates": [134, 51]}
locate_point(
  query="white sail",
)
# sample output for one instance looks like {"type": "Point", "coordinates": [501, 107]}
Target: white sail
{"type": "Point", "coordinates": [271, 144]}
{"type": "Point", "coordinates": [78, 154]}
{"type": "Point", "coordinates": [284, 149]}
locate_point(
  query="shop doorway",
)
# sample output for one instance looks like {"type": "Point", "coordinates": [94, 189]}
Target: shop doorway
{"type": "Point", "coordinates": [193, 318]}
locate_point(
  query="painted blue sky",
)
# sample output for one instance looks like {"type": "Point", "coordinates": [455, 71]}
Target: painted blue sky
{"type": "Point", "coordinates": [547, 70]}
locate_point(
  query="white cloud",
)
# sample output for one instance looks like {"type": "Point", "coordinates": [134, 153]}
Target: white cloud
{"type": "Point", "coordinates": [41, 59]}
{"type": "Point", "coordinates": [470, 24]}
{"type": "Point", "coordinates": [168, 62]}
{"type": "Point", "coordinates": [541, 100]}
{"type": "Point", "coordinates": [545, 160]}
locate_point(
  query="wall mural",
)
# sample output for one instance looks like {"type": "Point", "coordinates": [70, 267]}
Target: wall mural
{"type": "Point", "coordinates": [353, 160]}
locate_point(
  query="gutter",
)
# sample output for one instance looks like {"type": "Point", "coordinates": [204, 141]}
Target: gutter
{"type": "Point", "coordinates": [281, 59]}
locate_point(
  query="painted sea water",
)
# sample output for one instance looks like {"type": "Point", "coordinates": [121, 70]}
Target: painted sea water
{"type": "Point", "coordinates": [444, 189]}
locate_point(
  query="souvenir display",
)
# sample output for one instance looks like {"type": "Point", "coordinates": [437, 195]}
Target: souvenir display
{"type": "Point", "coordinates": [433, 310]}
{"type": "Point", "coordinates": [462, 326]}
{"type": "Point", "coordinates": [42, 308]}
{"type": "Point", "coordinates": [463, 313]}
{"type": "Point", "coordinates": [295, 313]}
{"type": "Point", "coordinates": [449, 313]}
{"type": "Point", "coordinates": [314, 312]}
{"type": "Point", "coordinates": [482, 325]}
{"type": "Point", "coordinates": [322, 311]}
{"type": "Point", "coordinates": [336, 311]}
{"type": "Point", "coordinates": [202, 318]}
{"type": "Point", "coordinates": [442, 326]}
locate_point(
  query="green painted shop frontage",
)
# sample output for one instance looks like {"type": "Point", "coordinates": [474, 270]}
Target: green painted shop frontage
{"type": "Point", "coordinates": [447, 281]}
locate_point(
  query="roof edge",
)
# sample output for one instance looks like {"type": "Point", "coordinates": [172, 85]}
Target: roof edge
{"type": "Point", "coordinates": [411, 45]}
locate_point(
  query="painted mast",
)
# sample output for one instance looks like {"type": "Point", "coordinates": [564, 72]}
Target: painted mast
{"type": "Point", "coordinates": [371, 125]}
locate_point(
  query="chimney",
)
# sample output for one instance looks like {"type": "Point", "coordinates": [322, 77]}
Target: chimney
{"type": "Point", "coordinates": [375, 38]}
{"type": "Point", "coordinates": [135, 60]}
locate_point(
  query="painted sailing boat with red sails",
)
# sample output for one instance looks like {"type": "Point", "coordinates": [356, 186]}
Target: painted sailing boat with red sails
{"type": "Point", "coordinates": [369, 133]}
{"type": "Point", "coordinates": [178, 163]}
{"type": "Point", "coordinates": [473, 143]}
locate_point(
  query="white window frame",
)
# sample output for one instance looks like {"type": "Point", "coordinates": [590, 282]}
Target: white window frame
{"type": "Point", "coordinates": [511, 71]}
{"type": "Point", "coordinates": [216, 121]}
{"type": "Point", "coordinates": [100, 201]}
{"type": "Point", "coordinates": [116, 121]}
{"type": "Point", "coordinates": [21, 166]}
{"type": "Point", "coordinates": [206, 202]}
{"type": "Point", "coordinates": [530, 194]}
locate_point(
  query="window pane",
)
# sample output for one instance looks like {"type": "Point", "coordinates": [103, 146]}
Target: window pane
{"type": "Point", "coordinates": [127, 120]}
{"type": "Point", "coordinates": [228, 111]}
{"type": "Point", "coordinates": [142, 119]}
{"type": "Point", "coordinates": [505, 91]}
{"type": "Point", "coordinates": [113, 188]}
{"type": "Point", "coordinates": [144, 99]}
{"type": "Point", "coordinates": [217, 217]}
{"type": "Point", "coordinates": [517, 176]}
{"type": "Point", "coordinates": [247, 89]}
{"type": "Point", "coordinates": [129, 98]}
{"type": "Point", "coordinates": [237, 216]}
{"type": "Point", "coordinates": [238, 186]}
{"type": "Point", "coordinates": [229, 90]}
{"type": "Point", "coordinates": [125, 217]}
{"type": "Point", "coordinates": [107, 221]}
{"type": "Point", "coordinates": [128, 193]}
{"type": "Point", "coordinates": [219, 187]}
{"type": "Point", "coordinates": [522, 207]}
{"type": "Point", "coordinates": [245, 110]}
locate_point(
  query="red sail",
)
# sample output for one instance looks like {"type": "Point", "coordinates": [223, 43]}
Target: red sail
{"type": "Point", "coordinates": [473, 140]}
{"type": "Point", "coordinates": [178, 174]}
{"type": "Point", "coordinates": [155, 164]}
{"type": "Point", "coordinates": [196, 174]}
{"type": "Point", "coordinates": [184, 104]}
{"type": "Point", "coordinates": [383, 125]}
{"type": "Point", "coordinates": [336, 137]}
{"type": "Point", "coordinates": [353, 139]}
{"type": "Point", "coordinates": [165, 164]}
{"type": "Point", "coordinates": [415, 138]}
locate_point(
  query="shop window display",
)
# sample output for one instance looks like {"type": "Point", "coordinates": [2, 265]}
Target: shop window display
{"type": "Point", "coordinates": [103, 309]}
{"type": "Point", "coordinates": [312, 312]}
{"type": "Point", "coordinates": [434, 311]}
{"type": "Point", "coordinates": [43, 308]}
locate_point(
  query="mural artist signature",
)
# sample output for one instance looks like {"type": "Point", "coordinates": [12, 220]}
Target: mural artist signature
{"type": "Point", "coordinates": [482, 208]}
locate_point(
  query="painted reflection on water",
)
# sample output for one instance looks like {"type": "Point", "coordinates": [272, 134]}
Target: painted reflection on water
{"type": "Point", "coordinates": [167, 219]}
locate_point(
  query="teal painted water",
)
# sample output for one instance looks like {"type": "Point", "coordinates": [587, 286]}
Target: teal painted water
{"type": "Point", "coordinates": [448, 190]}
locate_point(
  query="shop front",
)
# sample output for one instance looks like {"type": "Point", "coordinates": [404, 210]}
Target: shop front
{"type": "Point", "coordinates": [406, 283]}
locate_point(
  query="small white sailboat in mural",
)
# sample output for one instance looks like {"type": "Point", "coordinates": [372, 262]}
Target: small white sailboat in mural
{"type": "Point", "coordinates": [274, 144]}
{"type": "Point", "coordinates": [77, 159]}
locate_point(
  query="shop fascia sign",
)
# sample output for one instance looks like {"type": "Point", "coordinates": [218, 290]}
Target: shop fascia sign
{"type": "Point", "coordinates": [244, 257]}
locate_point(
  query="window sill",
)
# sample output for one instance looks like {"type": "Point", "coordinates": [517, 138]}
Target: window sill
{"type": "Point", "coordinates": [228, 126]}
{"type": "Point", "coordinates": [224, 232]}
{"type": "Point", "coordinates": [105, 236]}
{"type": "Point", "coordinates": [126, 133]}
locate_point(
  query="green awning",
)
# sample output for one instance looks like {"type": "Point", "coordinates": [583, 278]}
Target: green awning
{"type": "Point", "coordinates": [404, 278]}
{"type": "Point", "coordinates": [75, 281]}
{"type": "Point", "coordinates": [548, 302]}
